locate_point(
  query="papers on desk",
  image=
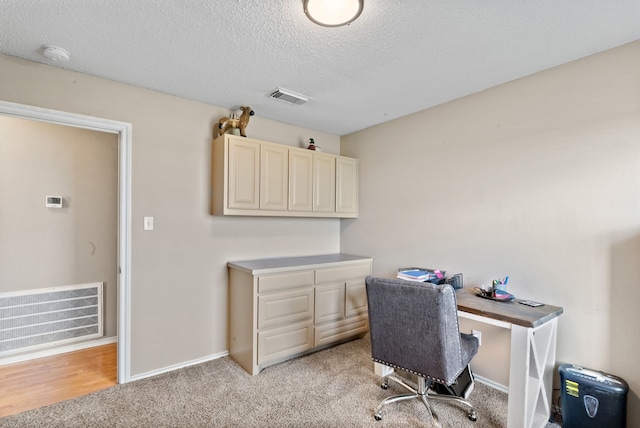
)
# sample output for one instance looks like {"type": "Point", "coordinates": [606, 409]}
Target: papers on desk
{"type": "Point", "coordinates": [419, 274]}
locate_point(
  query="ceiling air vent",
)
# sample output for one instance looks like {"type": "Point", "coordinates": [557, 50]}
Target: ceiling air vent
{"type": "Point", "coordinates": [288, 96]}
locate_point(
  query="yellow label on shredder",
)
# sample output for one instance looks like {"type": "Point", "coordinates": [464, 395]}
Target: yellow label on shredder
{"type": "Point", "coordinates": [572, 388]}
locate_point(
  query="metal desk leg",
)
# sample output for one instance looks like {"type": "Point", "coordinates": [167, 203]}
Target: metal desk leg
{"type": "Point", "coordinates": [533, 357]}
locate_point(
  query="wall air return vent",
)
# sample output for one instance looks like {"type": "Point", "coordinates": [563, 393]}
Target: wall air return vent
{"type": "Point", "coordinates": [288, 96]}
{"type": "Point", "coordinates": [50, 316]}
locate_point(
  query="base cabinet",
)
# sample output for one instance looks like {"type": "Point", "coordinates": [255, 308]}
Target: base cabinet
{"type": "Point", "coordinates": [301, 305]}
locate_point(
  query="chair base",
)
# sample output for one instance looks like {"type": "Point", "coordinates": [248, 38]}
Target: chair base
{"type": "Point", "coordinates": [422, 393]}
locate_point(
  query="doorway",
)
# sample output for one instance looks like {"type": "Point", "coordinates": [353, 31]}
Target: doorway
{"type": "Point", "coordinates": [123, 132]}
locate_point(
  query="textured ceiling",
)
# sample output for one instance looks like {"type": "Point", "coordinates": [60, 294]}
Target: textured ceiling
{"type": "Point", "coordinates": [399, 57]}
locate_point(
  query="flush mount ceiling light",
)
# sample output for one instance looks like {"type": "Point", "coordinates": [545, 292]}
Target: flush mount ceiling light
{"type": "Point", "coordinates": [333, 13]}
{"type": "Point", "coordinates": [55, 53]}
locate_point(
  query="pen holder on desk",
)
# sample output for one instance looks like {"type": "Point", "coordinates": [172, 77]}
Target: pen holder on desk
{"type": "Point", "coordinates": [502, 287]}
{"type": "Point", "coordinates": [500, 284]}
{"type": "Point", "coordinates": [498, 289]}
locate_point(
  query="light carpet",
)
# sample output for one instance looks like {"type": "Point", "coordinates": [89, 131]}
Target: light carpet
{"type": "Point", "coordinates": [335, 387]}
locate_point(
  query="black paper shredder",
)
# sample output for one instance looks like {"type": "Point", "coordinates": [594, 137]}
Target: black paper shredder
{"type": "Point", "coordinates": [590, 398]}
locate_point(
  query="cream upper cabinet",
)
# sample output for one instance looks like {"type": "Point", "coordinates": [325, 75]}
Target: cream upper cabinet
{"type": "Point", "coordinates": [346, 185]}
{"type": "Point", "coordinates": [312, 181]}
{"type": "Point", "coordinates": [324, 182]}
{"type": "Point", "coordinates": [300, 180]}
{"type": "Point", "coordinates": [244, 174]}
{"type": "Point", "coordinates": [258, 178]}
{"type": "Point", "coordinates": [274, 178]}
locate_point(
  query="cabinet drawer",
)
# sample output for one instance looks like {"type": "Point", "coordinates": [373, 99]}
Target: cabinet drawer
{"type": "Point", "coordinates": [284, 281]}
{"type": "Point", "coordinates": [285, 308]}
{"type": "Point", "coordinates": [284, 341]}
{"type": "Point", "coordinates": [340, 330]}
{"type": "Point", "coordinates": [343, 273]}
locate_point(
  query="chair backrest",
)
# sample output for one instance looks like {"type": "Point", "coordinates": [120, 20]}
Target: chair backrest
{"type": "Point", "coordinates": [414, 327]}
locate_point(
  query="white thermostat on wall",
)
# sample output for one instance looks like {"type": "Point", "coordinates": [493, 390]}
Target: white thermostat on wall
{"type": "Point", "coordinates": [53, 202]}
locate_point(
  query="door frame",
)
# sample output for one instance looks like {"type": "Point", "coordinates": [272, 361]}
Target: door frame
{"type": "Point", "coordinates": [123, 130]}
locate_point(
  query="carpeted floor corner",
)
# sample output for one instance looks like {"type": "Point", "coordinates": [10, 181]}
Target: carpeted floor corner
{"type": "Point", "coordinates": [331, 388]}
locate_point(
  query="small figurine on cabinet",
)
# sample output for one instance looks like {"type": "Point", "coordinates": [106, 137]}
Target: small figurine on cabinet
{"type": "Point", "coordinates": [313, 145]}
{"type": "Point", "coordinates": [235, 122]}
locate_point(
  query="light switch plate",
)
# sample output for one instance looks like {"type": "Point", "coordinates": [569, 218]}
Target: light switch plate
{"type": "Point", "coordinates": [148, 223]}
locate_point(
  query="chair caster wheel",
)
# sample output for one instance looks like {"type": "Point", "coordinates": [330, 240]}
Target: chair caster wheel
{"type": "Point", "coordinates": [377, 417]}
{"type": "Point", "coordinates": [384, 385]}
{"type": "Point", "coordinates": [472, 417]}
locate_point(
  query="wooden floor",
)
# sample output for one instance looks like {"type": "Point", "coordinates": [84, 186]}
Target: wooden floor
{"type": "Point", "coordinates": [44, 381]}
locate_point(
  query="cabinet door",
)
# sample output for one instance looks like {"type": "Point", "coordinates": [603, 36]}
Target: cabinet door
{"type": "Point", "coordinates": [324, 182]}
{"type": "Point", "coordinates": [274, 178]}
{"type": "Point", "coordinates": [356, 299]}
{"type": "Point", "coordinates": [329, 303]}
{"type": "Point", "coordinates": [300, 180]}
{"type": "Point", "coordinates": [346, 185]}
{"type": "Point", "coordinates": [244, 174]}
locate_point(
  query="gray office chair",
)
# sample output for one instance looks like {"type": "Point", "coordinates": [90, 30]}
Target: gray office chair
{"type": "Point", "coordinates": [414, 328]}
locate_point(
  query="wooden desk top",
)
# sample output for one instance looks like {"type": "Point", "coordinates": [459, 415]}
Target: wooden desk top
{"type": "Point", "coordinates": [511, 311]}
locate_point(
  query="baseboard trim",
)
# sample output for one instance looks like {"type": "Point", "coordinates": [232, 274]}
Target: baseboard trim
{"type": "Point", "coordinates": [491, 383]}
{"type": "Point", "coordinates": [178, 366]}
{"type": "Point", "coordinates": [57, 351]}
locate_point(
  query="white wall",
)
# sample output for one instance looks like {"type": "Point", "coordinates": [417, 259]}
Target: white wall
{"type": "Point", "coordinates": [179, 275]}
{"type": "Point", "coordinates": [538, 179]}
{"type": "Point", "coordinates": [76, 244]}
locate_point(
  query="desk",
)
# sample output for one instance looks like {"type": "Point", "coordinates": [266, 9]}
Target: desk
{"type": "Point", "coordinates": [533, 353]}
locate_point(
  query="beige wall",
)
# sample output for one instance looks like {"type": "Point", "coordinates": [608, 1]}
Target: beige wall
{"type": "Point", "coordinates": [179, 276]}
{"type": "Point", "coordinates": [45, 247]}
{"type": "Point", "coordinates": [538, 179]}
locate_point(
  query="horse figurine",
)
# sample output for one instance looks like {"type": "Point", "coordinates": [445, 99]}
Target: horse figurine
{"type": "Point", "coordinates": [235, 122]}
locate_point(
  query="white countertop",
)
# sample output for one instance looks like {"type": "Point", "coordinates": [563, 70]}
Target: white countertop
{"type": "Point", "coordinates": [264, 266]}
